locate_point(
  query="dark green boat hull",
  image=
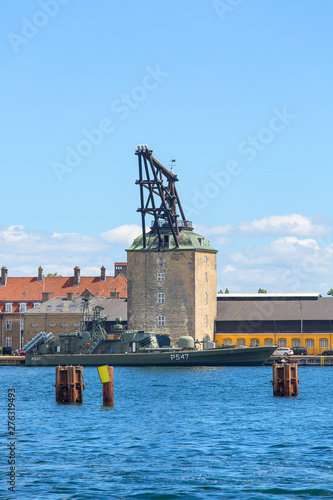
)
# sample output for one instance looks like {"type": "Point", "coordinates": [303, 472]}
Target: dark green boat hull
{"type": "Point", "coordinates": [251, 356]}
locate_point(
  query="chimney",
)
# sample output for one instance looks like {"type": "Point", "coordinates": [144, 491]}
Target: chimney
{"type": "Point", "coordinates": [40, 274]}
{"type": "Point", "coordinates": [46, 296]}
{"type": "Point", "coordinates": [69, 295]}
{"type": "Point", "coordinates": [114, 295]}
{"type": "Point", "coordinates": [4, 272]}
{"type": "Point", "coordinates": [77, 271]}
{"type": "Point", "coordinates": [103, 273]}
{"type": "Point", "coordinates": [120, 267]}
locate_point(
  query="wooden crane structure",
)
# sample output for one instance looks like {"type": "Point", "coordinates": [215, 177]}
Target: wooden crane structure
{"type": "Point", "coordinates": [159, 198]}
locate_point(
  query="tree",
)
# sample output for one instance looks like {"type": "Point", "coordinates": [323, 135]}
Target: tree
{"type": "Point", "coordinates": [53, 275]}
{"type": "Point", "coordinates": [221, 291]}
{"type": "Point", "coordinates": [330, 292]}
{"type": "Point", "coordinates": [261, 290]}
{"type": "Point", "coordinates": [226, 290]}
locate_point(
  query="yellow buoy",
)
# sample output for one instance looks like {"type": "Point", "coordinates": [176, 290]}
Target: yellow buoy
{"type": "Point", "coordinates": [104, 375]}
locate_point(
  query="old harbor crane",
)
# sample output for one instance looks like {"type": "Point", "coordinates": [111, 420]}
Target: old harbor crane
{"type": "Point", "coordinates": [159, 198]}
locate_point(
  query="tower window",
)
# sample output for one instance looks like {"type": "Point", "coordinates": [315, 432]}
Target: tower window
{"type": "Point", "coordinates": [160, 320]}
{"type": "Point", "coordinates": [206, 298]}
{"type": "Point", "coordinates": [205, 258]}
{"type": "Point", "coordinates": [206, 278]}
{"type": "Point", "coordinates": [160, 277]}
{"type": "Point", "coordinates": [166, 241]}
{"type": "Point", "coordinates": [206, 320]}
{"type": "Point", "coordinates": [161, 298]}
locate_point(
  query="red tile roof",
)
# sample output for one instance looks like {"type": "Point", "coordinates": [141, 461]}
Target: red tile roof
{"type": "Point", "coordinates": [30, 289]}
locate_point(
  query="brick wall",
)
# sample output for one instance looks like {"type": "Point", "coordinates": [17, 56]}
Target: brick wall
{"type": "Point", "coordinates": [14, 333]}
{"type": "Point", "coordinates": [184, 288]}
{"type": "Point", "coordinates": [205, 302]}
{"type": "Point", "coordinates": [55, 323]}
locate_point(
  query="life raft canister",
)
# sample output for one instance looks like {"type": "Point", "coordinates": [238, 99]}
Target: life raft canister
{"type": "Point", "coordinates": [87, 344]}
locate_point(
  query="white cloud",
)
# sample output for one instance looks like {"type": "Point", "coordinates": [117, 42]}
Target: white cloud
{"type": "Point", "coordinates": [23, 251]}
{"type": "Point", "coordinates": [293, 224]}
{"type": "Point", "coordinates": [287, 264]}
{"type": "Point", "coordinates": [284, 225]}
{"type": "Point", "coordinates": [122, 235]}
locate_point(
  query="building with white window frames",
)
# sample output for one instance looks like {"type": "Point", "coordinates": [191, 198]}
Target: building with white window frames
{"type": "Point", "coordinates": [161, 298]}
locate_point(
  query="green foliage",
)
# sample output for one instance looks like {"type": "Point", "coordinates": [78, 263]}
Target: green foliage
{"type": "Point", "coordinates": [262, 290]}
{"type": "Point", "coordinates": [53, 275]}
{"type": "Point", "coordinates": [330, 292]}
{"type": "Point", "coordinates": [221, 291]}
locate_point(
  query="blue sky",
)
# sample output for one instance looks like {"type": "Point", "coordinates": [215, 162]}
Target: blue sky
{"type": "Point", "coordinates": [238, 92]}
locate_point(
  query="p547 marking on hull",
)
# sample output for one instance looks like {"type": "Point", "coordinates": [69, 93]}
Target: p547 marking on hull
{"type": "Point", "coordinates": [178, 357]}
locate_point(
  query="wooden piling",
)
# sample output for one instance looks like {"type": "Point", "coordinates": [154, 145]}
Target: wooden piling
{"type": "Point", "coordinates": [285, 379]}
{"type": "Point", "coordinates": [106, 376]}
{"type": "Point", "coordinates": [69, 384]}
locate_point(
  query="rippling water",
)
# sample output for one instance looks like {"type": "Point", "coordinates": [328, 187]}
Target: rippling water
{"type": "Point", "coordinates": [175, 433]}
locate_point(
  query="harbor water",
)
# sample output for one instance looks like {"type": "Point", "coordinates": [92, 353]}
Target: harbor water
{"type": "Point", "coordinates": [176, 433]}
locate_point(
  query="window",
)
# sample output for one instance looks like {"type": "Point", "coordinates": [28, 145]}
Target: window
{"type": "Point", "coordinates": [206, 320]}
{"type": "Point", "coordinates": [323, 343]}
{"type": "Point", "coordinates": [8, 341]}
{"type": "Point", "coordinates": [227, 342]}
{"type": "Point", "coordinates": [309, 343]}
{"type": "Point", "coordinates": [8, 324]}
{"type": "Point", "coordinates": [206, 298]}
{"type": "Point", "coordinates": [160, 276]}
{"type": "Point", "coordinates": [36, 304]}
{"type": "Point", "coordinates": [269, 342]}
{"type": "Point", "coordinates": [22, 307]}
{"type": "Point", "coordinates": [254, 343]}
{"type": "Point", "coordinates": [52, 324]}
{"type": "Point", "coordinates": [161, 298]}
{"type": "Point", "coordinates": [205, 258]}
{"type": "Point", "coordinates": [161, 321]}
{"type": "Point", "coordinates": [206, 279]}
{"type": "Point", "coordinates": [64, 324]}
{"type": "Point", "coordinates": [282, 343]}
{"type": "Point", "coordinates": [296, 342]}
{"type": "Point", "coordinates": [22, 324]}
{"type": "Point", "coordinates": [166, 241]}
{"type": "Point", "coordinates": [34, 324]}
{"type": "Point", "coordinates": [9, 307]}
{"type": "Point", "coordinates": [76, 324]}
{"type": "Point", "coordinates": [201, 242]}
{"type": "Point", "coordinates": [241, 342]}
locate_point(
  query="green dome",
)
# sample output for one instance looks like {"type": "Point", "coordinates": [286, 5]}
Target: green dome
{"type": "Point", "coordinates": [187, 241]}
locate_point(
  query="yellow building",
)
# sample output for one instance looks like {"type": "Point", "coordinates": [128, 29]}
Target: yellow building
{"type": "Point", "coordinates": [285, 320]}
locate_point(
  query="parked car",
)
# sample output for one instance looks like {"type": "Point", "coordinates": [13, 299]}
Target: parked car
{"type": "Point", "coordinates": [327, 353]}
{"type": "Point", "coordinates": [300, 350]}
{"type": "Point", "coordinates": [283, 351]}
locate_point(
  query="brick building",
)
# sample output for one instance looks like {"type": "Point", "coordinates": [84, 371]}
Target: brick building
{"type": "Point", "coordinates": [64, 315]}
{"type": "Point", "coordinates": [19, 294]}
{"type": "Point", "coordinates": [172, 291]}
{"type": "Point", "coordinates": [283, 319]}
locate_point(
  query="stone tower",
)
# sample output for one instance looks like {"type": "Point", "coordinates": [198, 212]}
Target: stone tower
{"type": "Point", "coordinates": [171, 270]}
